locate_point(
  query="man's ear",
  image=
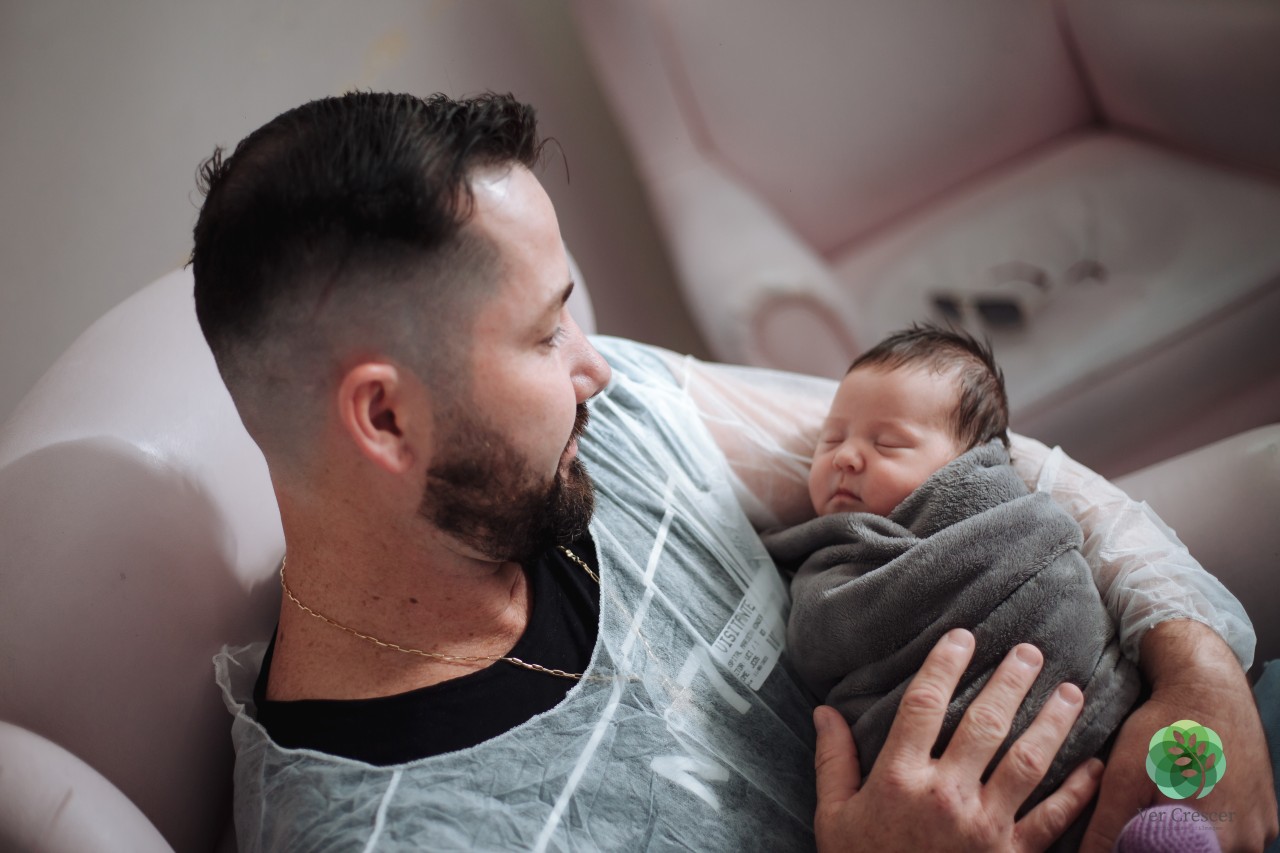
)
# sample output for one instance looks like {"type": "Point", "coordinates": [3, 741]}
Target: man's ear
{"type": "Point", "coordinates": [384, 413]}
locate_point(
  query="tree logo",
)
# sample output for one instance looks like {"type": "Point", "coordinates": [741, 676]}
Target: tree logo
{"type": "Point", "coordinates": [1186, 759]}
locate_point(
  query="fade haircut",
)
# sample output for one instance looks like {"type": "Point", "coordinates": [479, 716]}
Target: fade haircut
{"type": "Point", "coordinates": [335, 231]}
{"type": "Point", "coordinates": [983, 409]}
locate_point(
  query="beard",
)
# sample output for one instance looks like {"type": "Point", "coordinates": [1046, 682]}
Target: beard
{"type": "Point", "coordinates": [481, 492]}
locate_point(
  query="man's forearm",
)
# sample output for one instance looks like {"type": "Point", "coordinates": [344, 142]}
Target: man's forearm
{"type": "Point", "coordinates": [1194, 675]}
{"type": "Point", "coordinates": [1185, 653]}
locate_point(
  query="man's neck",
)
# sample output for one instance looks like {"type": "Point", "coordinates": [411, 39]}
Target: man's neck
{"type": "Point", "coordinates": [427, 596]}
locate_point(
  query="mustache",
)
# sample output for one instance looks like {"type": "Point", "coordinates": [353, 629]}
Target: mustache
{"type": "Point", "coordinates": [580, 422]}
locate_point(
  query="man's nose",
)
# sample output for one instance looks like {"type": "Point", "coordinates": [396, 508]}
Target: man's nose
{"type": "Point", "coordinates": [591, 373]}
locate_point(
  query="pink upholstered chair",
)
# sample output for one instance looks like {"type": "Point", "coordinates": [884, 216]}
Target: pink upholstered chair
{"type": "Point", "coordinates": [825, 172]}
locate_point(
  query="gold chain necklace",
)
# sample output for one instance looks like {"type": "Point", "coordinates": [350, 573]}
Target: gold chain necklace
{"type": "Point", "coordinates": [559, 673]}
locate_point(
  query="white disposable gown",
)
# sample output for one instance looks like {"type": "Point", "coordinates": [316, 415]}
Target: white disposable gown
{"type": "Point", "coordinates": [689, 731]}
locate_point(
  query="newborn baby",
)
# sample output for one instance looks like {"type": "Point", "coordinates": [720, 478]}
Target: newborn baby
{"type": "Point", "coordinates": [924, 526]}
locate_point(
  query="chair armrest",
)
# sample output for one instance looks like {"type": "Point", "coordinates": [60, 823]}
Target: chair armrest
{"type": "Point", "coordinates": [52, 802]}
{"type": "Point", "coordinates": [1222, 500]}
{"type": "Point", "coordinates": [759, 293]}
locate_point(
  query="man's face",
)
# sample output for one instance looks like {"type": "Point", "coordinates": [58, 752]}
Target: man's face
{"type": "Point", "coordinates": [887, 432]}
{"type": "Point", "coordinates": [504, 481]}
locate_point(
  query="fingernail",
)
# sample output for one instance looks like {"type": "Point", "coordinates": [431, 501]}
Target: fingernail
{"type": "Point", "coordinates": [821, 721]}
{"type": "Point", "coordinates": [1069, 694]}
{"type": "Point", "coordinates": [1027, 655]}
{"type": "Point", "coordinates": [1095, 768]}
{"type": "Point", "coordinates": [960, 637]}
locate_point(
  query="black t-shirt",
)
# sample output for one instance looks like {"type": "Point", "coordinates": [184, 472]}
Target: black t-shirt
{"type": "Point", "coordinates": [464, 711]}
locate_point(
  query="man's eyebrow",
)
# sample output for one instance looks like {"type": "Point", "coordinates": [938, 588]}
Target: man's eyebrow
{"type": "Point", "coordinates": [558, 302]}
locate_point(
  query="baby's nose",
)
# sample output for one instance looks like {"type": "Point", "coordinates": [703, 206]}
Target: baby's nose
{"type": "Point", "coordinates": [849, 457]}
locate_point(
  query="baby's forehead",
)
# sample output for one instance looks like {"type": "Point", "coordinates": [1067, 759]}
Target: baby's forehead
{"type": "Point", "coordinates": [947, 377]}
{"type": "Point", "coordinates": [926, 405]}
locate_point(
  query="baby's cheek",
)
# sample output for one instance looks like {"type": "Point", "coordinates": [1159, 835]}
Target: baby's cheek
{"type": "Point", "coordinates": [817, 486]}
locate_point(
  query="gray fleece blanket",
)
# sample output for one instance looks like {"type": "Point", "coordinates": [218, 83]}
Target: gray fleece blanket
{"type": "Point", "coordinates": [971, 548]}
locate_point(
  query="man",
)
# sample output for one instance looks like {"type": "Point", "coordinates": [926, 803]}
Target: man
{"type": "Point", "coordinates": [479, 650]}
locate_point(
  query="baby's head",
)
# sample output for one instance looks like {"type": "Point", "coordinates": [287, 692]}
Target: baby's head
{"type": "Point", "coordinates": [907, 407]}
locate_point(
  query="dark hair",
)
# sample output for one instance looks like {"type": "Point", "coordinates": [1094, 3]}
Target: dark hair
{"type": "Point", "coordinates": [983, 411]}
{"type": "Point", "coordinates": [338, 210]}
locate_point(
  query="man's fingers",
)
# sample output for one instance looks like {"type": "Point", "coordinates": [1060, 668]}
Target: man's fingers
{"type": "Point", "coordinates": [1028, 759]}
{"type": "Point", "coordinates": [836, 758]}
{"type": "Point", "coordinates": [986, 724]}
{"type": "Point", "coordinates": [1051, 817]}
{"type": "Point", "coordinates": [924, 703]}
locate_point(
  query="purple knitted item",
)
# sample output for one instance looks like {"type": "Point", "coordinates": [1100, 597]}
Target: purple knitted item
{"type": "Point", "coordinates": [1167, 829]}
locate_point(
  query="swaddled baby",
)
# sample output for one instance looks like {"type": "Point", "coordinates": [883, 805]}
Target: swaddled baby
{"type": "Point", "coordinates": [924, 526]}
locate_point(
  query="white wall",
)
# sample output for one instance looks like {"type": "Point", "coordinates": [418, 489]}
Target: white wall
{"type": "Point", "coordinates": [106, 109]}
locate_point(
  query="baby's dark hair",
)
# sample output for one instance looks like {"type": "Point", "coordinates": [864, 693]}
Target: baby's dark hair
{"type": "Point", "coordinates": [983, 411]}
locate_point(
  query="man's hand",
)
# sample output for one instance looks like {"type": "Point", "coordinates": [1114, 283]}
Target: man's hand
{"type": "Point", "coordinates": [915, 802]}
{"type": "Point", "coordinates": [1194, 676]}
